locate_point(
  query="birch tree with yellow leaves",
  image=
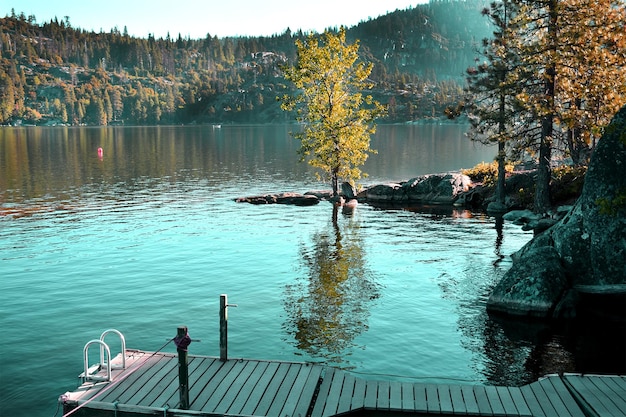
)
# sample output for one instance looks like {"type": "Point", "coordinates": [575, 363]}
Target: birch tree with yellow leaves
{"type": "Point", "coordinates": [337, 118]}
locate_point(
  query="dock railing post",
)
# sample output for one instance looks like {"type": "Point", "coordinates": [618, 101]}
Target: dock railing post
{"type": "Point", "coordinates": [224, 326]}
{"type": "Point", "coordinates": [182, 340]}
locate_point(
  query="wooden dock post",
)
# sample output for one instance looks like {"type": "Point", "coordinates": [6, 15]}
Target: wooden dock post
{"type": "Point", "coordinates": [224, 326]}
{"type": "Point", "coordinates": [182, 340]}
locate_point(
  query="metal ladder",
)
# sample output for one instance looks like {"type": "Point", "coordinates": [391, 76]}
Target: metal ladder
{"type": "Point", "coordinates": [90, 373]}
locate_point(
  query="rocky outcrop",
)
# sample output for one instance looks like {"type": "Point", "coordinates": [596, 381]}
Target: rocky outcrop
{"type": "Point", "coordinates": [426, 189]}
{"type": "Point", "coordinates": [584, 251]}
{"type": "Point", "coordinates": [445, 189]}
{"type": "Point", "coordinates": [282, 198]}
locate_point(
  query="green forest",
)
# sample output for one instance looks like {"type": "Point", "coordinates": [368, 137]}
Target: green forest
{"type": "Point", "coordinates": [53, 73]}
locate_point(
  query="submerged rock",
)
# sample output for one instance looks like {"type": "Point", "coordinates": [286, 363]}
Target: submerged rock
{"type": "Point", "coordinates": [586, 248]}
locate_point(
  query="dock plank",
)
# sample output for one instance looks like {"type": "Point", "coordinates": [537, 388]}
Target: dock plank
{"type": "Point", "coordinates": [222, 402]}
{"type": "Point", "coordinates": [469, 399]}
{"type": "Point", "coordinates": [347, 393]}
{"type": "Point", "coordinates": [432, 399]}
{"type": "Point", "coordinates": [507, 402]}
{"type": "Point", "coordinates": [560, 397]}
{"type": "Point", "coordinates": [408, 396]}
{"type": "Point", "coordinates": [212, 385]}
{"type": "Point", "coordinates": [531, 401]}
{"type": "Point", "coordinates": [445, 399]}
{"type": "Point", "coordinates": [520, 402]}
{"type": "Point", "coordinates": [113, 389]}
{"type": "Point", "coordinates": [160, 382]}
{"type": "Point", "coordinates": [229, 387]}
{"type": "Point", "coordinates": [494, 401]}
{"type": "Point", "coordinates": [200, 376]}
{"type": "Point", "coordinates": [262, 382]}
{"type": "Point", "coordinates": [247, 387]}
{"type": "Point", "coordinates": [484, 408]}
{"type": "Point", "coordinates": [395, 395]}
{"type": "Point", "coordinates": [566, 396]}
{"type": "Point", "coordinates": [421, 402]}
{"type": "Point", "coordinates": [371, 395]}
{"type": "Point", "coordinates": [602, 391]}
{"type": "Point", "coordinates": [458, 402]}
{"type": "Point", "coordinates": [615, 389]}
{"type": "Point", "coordinates": [543, 400]}
{"type": "Point", "coordinates": [139, 384]}
{"type": "Point", "coordinates": [287, 385]}
{"type": "Point", "coordinates": [599, 401]}
{"type": "Point", "coordinates": [302, 398]}
{"type": "Point", "coordinates": [358, 402]}
{"type": "Point", "coordinates": [284, 372]}
{"type": "Point", "coordinates": [332, 399]}
{"type": "Point", "coordinates": [383, 395]}
{"type": "Point", "coordinates": [173, 388]}
{"type": "Point", "coordinates": [324, 390]}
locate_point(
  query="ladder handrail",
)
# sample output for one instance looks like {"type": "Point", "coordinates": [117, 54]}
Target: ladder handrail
{"type": "Point", "coordinates": [123, 342]}
{"type": "Point", "coordinates": [103, 346]}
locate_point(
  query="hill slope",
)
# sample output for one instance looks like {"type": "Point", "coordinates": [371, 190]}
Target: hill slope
{"type": "Point", "coordinates": [52, 73]}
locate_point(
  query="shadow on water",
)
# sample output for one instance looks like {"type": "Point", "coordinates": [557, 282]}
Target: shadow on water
{"type": "Point", "coordinates": [520, 351]}
{"type": "Point", "coordinates": [329, 305]}
{"type": "Point", "coordinates": [531, 349]}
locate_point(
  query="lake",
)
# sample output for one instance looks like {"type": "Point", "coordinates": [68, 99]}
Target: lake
{"type": "Point", "coordinates": [146, 236]}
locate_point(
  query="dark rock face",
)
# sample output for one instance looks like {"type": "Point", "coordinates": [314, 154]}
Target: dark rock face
{"type": "Point", "coordinates": [586, 248]}
{"type": "Point", "coordinates": [533, 283]}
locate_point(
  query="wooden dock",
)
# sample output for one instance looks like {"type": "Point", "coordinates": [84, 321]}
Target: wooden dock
{"type": "Point", "coordinates": [242, 387]}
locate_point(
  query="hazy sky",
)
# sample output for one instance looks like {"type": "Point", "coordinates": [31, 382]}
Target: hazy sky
{"type": "Point", "coordinates": [196, 18]}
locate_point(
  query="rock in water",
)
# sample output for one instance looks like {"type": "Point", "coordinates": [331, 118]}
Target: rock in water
{"type": "Point", "coordinates": [348, 191]}
{"type": "Point", "coordinates": [587, 248]}
{"type": "Point", "coordinates": [426, 189]}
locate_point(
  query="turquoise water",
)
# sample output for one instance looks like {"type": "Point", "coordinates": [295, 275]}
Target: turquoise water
{"type": "Point", "coordinates": [147, 237]}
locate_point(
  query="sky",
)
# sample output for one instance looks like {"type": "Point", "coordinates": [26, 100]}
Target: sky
{"type": "Point", "coordinates": [196, 18]}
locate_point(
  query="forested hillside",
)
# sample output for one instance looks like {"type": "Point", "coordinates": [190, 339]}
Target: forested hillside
{"type": "Point", "coordinates": [54, 73]}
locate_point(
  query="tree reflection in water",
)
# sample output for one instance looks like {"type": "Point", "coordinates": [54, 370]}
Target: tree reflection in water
{"type": "Point", "coordinates": [328, 307]}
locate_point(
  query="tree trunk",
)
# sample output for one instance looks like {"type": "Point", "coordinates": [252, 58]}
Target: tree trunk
{"type": "Point", "coordinates": [501, 185]}
{"type": "Point", "coordinates": [542, 186]}
{"type": "Point", "coordinates": [334, 180]}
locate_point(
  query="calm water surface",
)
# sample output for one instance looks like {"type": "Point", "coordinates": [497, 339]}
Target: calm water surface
{"type": "Point", "coordinates": [148, 236]}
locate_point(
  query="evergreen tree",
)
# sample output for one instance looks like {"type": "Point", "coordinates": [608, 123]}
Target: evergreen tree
{"type": "Point", "coordinates": [7, 97]}
{"type": "Point", "coordinates": [491, 106]}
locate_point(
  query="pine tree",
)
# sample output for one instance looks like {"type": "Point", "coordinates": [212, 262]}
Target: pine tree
{"type": "Point", "coordinates": [492, 107]}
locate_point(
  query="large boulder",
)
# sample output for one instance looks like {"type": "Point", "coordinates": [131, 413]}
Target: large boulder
{"type": "Point", "coordinates": [425, 189]}
{"type": "Point", "coordinates": [585, 250]}
{"type": "Point", "coordinates": [388, 192]}
{"type": "Point", "coordinates": [533, 283]}
{"type": "Point", "coordinates": [437, 189]}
